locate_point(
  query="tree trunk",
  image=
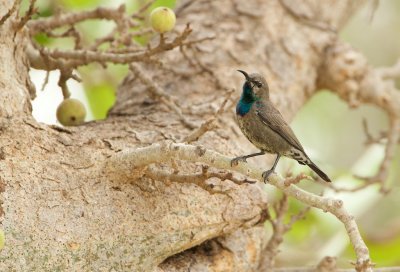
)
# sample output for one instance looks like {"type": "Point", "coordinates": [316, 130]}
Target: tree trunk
{"type": "Point", "coordinates": [63, 209]}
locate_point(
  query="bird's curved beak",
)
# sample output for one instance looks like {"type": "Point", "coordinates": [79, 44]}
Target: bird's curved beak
{"type": "Point", "coordinates": [246, 75]}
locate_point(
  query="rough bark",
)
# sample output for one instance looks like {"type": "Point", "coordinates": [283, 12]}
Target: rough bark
{"type": "Point", "coordinates": [63, 210]}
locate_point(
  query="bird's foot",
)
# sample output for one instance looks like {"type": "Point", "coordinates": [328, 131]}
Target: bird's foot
{"type": "Point", "coordinates": [236, 161]}
{"type": "Point", "coordinates": [266, 174]}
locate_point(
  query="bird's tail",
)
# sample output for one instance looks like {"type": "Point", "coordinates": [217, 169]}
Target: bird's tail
{"type": "Point", "coordinates": [318, 171]}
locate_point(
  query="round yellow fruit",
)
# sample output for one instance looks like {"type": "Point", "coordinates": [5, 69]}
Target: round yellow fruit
{"type": "Point", "coordinates": [162, 19]}
{"type": "Point", "coordinates": [71, 112]}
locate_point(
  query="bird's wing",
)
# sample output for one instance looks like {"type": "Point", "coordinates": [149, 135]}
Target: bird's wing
{"type": "Point", "coordinates": [272, 118]}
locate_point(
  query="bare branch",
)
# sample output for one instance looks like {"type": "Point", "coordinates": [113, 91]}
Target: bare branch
{"type": "Point", "coordinates": [370, 138]}
{"type": "Point", "coordinates": [390, 149]}
{"type": "Point", "coordinates": [392, 72]}
{"type": "Point", "coordinates": [84, 57]}
{"type": "Point", "coordinates": [28, 15]}
{"type": "Point", "coordinates": [199, 178]}
{"type": "Point", "coordinates": [373, 8]}
{"type": "Point", "coordinates": [122, 164]}
{"type": "Point", "coordinates": [46, 80]}
{"type": "Point", "coordinates": [297, 179]}
{"type": "Point", "coordinates": [45, 24]}
{"type": "Point", "coordinates": [145, 6]}
{"type": "Point", "coordinates": [75, 58]}
{"type": "Point", "coordinates": [62, 82]}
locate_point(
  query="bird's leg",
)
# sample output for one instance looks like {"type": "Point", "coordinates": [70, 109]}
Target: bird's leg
{"type": "Point", "coordinates": [266, 174]}
{"type": "Point", "coordinates": [235, 161]}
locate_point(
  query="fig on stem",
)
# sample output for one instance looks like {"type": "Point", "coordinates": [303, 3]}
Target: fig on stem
{"type": "Point", "coordinates": [162, 19]}
{"type": "Point", "coordinates": [71, 112]}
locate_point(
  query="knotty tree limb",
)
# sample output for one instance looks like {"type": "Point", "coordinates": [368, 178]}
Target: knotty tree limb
{"type": "Point", "coordinates": [122, 165]}
{"type": "Point", "coordinates": [346, 72]}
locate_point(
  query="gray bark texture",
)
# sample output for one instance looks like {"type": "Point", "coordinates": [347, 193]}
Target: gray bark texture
{"type": "Point", "coordinates": [62, 210]}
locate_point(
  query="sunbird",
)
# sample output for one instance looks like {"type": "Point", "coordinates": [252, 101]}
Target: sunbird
{"type": "Point", "coordinates": [265, 127]}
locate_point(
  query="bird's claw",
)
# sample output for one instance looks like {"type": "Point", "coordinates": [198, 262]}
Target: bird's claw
{"type": "Point", "coordinates": [236, 161]}
{"type": "Point", "coordinates": [266, 174]}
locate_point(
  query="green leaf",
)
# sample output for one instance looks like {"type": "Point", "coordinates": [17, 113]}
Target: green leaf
{"type": "Point", "coordinates": [43, 39]}
{"type": "Point", "coordinates": [101, 97]}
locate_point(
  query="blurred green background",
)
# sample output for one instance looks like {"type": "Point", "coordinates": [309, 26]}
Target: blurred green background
{"type": "Point", "coordinates": [330, 132]}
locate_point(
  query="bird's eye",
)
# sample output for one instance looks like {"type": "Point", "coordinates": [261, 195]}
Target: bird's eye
{"type": "Point", "coordinates": [258, 84]}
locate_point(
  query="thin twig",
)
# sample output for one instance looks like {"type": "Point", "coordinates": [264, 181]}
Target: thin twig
{"type": "Point", "coordinates": [198, 178]}
{"type": "Point", "coordinates": [62, 82]}
{"type": "Point", "coordinates": [145, 6]}
{"type": "Point", "coordinates": [46, 80]}
{"type": "Point", "coordinates": [28, 15]}
{"type": "Point", "coordinates": [45, 24]}
{"type": "Point", "coordinates": [370, 138]}
{"type": "Point", "coordinates": [390, 149]}
{"type": "Point", "coordinates": [374, 6]}
{"type": "Point", "coordinates": [75, 58]}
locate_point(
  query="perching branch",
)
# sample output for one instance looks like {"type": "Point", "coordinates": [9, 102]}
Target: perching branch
{"type": "Point", "coordinates": [124, 164]}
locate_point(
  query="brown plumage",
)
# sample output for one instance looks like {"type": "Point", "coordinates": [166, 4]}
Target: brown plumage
{"type": "Point", "coordinates": [265, 127]}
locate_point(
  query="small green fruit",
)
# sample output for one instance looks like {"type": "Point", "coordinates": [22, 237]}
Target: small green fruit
{"type": "Point", "coordinates": [71, 112]}
{"type": "Point", "coordinates": [2, 239]}
{"type": "Point", "coordinates": [162, 19]}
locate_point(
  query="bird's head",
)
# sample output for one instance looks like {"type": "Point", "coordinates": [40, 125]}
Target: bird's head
{"type": "Point", "coordinates": [256, 83]}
